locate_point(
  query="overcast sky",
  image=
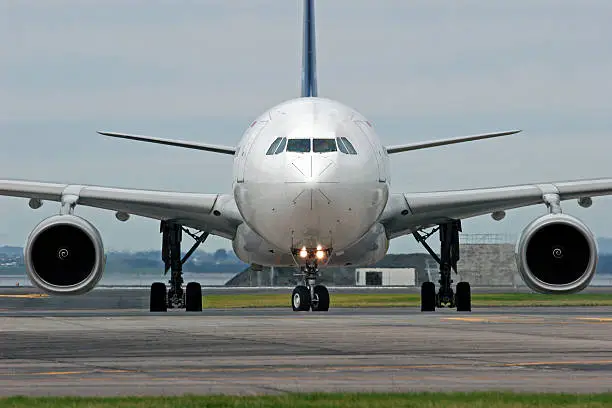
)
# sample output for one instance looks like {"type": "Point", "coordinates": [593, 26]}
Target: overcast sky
{"type": "Point", "coordinates": [202, 70]}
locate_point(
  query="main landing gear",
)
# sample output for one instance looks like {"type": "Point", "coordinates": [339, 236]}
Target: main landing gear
{"type": "Point", "coordinates": [310, 296]}
{"type": "Point", "coordinates": [176, 298]}
{"type": "Point", "coordinates": [449, 256]}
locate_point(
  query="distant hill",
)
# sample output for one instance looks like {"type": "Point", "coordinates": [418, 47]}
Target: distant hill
{"type": "Point", "coordinates": [11, 250]}
{"type": "Point", "coordinates": [220, 261]}
{"type": "Point", "coordinates": [605, 245]}
{"type": "Point", "coordinates": [200, 262]}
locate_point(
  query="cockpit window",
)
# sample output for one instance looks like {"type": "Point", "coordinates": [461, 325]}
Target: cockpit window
{"type": "Point", "coordinates": [349, 146]}
{"type": "Point", "coordinates": [273, 146]}
{"type": "Point", "coordinates": [298, 145]}
{"type": "Point", "coordinates": [345, 146]}
{"type": "Point", "coordinates": [323, 145]}
{"type": "Point", "coordinates": [341, 146]}
{"type": "Point", "coordinates": [281, 146]}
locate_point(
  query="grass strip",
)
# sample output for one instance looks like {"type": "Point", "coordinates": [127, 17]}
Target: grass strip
{"type": "Point", "coordinates": [356, 400]}
{"type": "Point", "coordinates": [407, 300]}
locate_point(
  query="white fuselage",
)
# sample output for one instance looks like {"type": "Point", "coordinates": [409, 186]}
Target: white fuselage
{"type": "Point", "coordinates": [297, 185]}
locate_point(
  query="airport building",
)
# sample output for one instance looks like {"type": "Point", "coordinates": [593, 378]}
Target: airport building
{"type": "Point", "coordinates": [487, 260]}
{"type": "Point", "coordinates": [385, 276]}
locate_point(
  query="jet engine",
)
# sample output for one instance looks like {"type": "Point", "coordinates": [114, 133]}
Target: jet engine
{"type": "Point", "coordinates": [64, 255]}
{"type": "Point", "coordinates": [556, 253]}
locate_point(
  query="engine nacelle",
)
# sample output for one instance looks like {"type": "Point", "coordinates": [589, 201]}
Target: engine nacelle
{"type": "Point", "coordinates": [64, 255]}
{"type": "Point", "coordinates": [557, 253]}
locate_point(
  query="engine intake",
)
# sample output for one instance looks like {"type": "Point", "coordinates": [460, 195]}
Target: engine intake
{"type": "Point", "coordinates": [64, 255]}
{"type": "Point", "coordinates": [557, 253]}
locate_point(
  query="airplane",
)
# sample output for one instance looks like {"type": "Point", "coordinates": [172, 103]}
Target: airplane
{"type": "Point", "coordinates": [310, 190]}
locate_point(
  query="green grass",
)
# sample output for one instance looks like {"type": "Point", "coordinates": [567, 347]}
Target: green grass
{"type": "Point", "coordinates": [407, 300]}
{"type": "Point", "coordinates": [416, 400]}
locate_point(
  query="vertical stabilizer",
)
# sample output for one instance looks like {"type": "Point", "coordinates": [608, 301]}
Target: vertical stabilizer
{"type": "Point", "coordinates": [309, 54]}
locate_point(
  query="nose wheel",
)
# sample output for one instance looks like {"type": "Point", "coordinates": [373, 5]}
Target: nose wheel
{"type": "Point", "coordinates": [310, 296]}
{"type": "Point", "coordinates": [320, 302]}
{"type": "Point", "coordinates": [300, 299]}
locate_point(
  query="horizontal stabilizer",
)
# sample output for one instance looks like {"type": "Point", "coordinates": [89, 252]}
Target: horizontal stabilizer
{"type": "Point", "coordinates": [442, 142]}
{"type": "Point", "coordinates": [171, 142]}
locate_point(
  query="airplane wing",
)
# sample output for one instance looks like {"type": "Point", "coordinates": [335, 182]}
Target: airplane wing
{"type": "Point", "coordinates": [172, 142]}
{"type": "Point", "coordinates": [407, 212]}
{"type": "Point", "coordinates": [214, 213]}
{"type": "Point", "coordinates": [443, 142]}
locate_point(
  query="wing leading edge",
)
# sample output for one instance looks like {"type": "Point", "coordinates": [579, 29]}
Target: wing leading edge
{"type": "Point", "coordinates": [214, 213]}
{"type": "Point", "coordinates": [173, 142]}
{"type": "Point", "coordinates": [442, 142]}
{"type": "Point", "coordinates": [406, 212]}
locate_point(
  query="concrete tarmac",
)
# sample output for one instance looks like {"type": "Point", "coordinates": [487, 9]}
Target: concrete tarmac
{"type": "Point", "coordinates": [125, 350]}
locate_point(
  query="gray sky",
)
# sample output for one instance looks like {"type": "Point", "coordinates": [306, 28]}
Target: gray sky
{"type": "Point", "coordinates": [202, 70]}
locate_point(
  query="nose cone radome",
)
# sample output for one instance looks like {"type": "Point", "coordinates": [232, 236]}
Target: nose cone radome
{"type": "Point", "coordinates": [311, 169]}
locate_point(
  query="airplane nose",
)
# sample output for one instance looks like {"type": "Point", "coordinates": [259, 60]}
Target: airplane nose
{"type": "Point", "coordinates": [312, 169]}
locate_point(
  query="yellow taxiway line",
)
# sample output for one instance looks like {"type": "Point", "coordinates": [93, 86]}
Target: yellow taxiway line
{"type": "Point", "coordinates": [26, 296]}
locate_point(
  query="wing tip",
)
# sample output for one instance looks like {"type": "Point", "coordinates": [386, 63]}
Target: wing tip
{"type": "Point", "coordinates": [105, 133]}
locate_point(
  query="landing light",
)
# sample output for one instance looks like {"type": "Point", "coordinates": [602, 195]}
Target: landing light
{"type": "Point", "coordinates": [320, 254]}
{"type": "Point", "coordinates": [303, 253]}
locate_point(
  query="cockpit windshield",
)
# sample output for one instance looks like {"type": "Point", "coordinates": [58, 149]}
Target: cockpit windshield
{"type": "Point", "coordinates": [298, 145]}
{"type": "Point", "coordinates": [281, 146]}
{"type": "Point", "coordinates": [277, 146]}
{"type": "Point", "coordinates": [345, 146]}
{"type": "Point", "coordinates": [323, 145]}
{"type": "Point", "coordinates": [305, 145]}
{"type": "Point", "coordinates": [273, 146]}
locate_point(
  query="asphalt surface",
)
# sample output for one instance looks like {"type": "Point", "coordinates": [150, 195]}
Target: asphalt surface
{"type": "Point", "coordinates": [125, 350]}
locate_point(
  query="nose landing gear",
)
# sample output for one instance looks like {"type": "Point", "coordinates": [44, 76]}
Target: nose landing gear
{"type": "Point", "coordinates": [310, 296]}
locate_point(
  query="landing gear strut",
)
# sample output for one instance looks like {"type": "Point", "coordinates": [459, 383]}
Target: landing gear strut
{"type": "Point", "coordinates": [310, 296]}
{"type": "Point", "coordinates": [172, 235]}
{"type": "Point", "coordinates": [176, 297]}
{"type": "Point", "coordinates": [449, 256]}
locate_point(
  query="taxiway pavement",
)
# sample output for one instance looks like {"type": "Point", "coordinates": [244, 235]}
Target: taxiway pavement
{"type": "Point", "coordinates": [129, 351]}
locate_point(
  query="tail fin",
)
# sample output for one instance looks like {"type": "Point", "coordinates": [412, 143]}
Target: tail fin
{"type": "Point", "coordinates": [309, 53]}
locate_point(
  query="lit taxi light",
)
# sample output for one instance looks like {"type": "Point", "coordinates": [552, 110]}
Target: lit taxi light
{"type": "Point", "coordinates": [303, 253]}
{"type": "Point", "coordinates": [320, 254]}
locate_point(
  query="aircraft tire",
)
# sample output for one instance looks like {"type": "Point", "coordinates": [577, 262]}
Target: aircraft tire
{"type": "Point", "coordinates": [323, 295]}
{"type": "Point", "coordinates": [193, 297]}
{"type": "Point", "coordinates": [463, 297]}
{"type": "Point", "coordinates": [300, 299]}
{"type": "Point", "coordinates": [428, 297]}
{"type": "Point", "coordinates": [158, 301]}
